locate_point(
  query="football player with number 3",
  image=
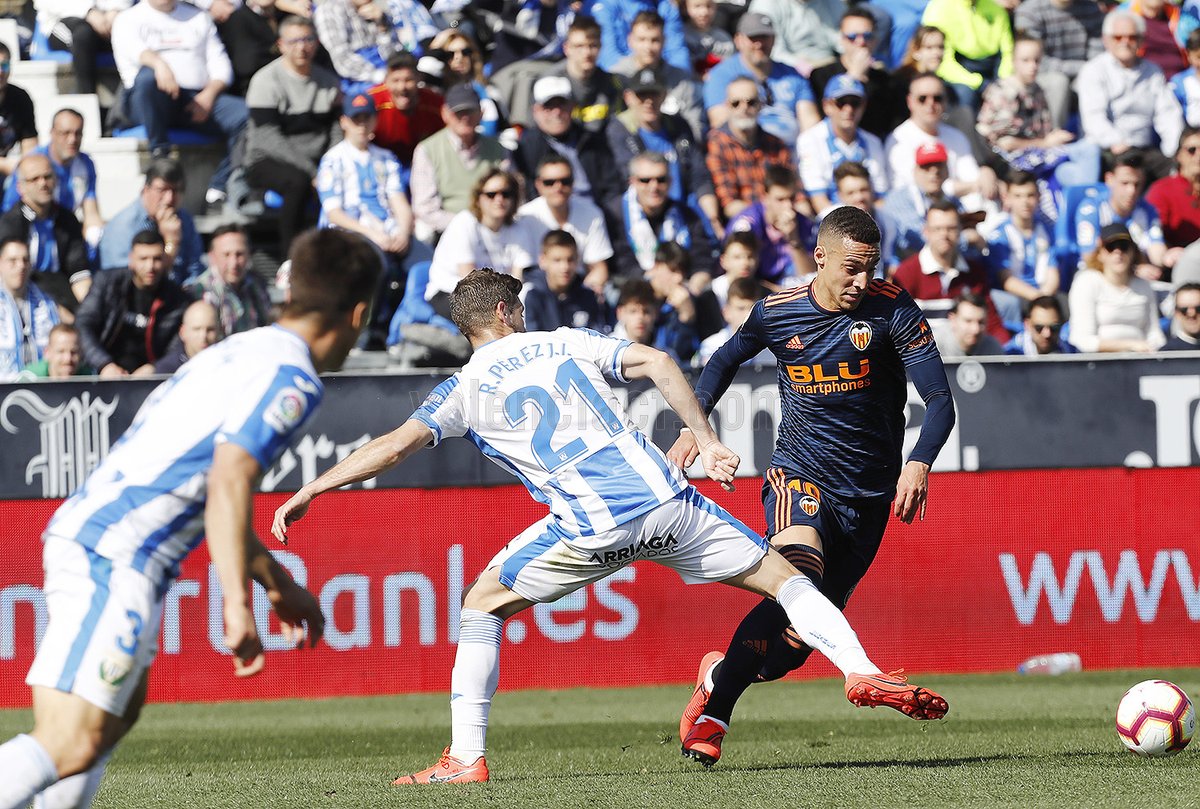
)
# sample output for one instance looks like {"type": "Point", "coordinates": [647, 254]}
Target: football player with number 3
{"type": "Point", "coordinates": [183, 472]}
{"type": "Point", "coordinates": [538, 405]}
{"type": "Point", "coordinates": [845, 346]}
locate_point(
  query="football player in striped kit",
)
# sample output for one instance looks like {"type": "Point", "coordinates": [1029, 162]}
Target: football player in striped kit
{"type": "Point", "coordinates": [538, 405]}
{"type": "Point", "coordinates": [184, 471]}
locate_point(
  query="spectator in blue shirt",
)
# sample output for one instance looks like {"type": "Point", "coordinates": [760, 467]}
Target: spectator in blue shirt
{"type": "Point", "coordinates": [1121, 202]}
{"type": "Point", "coordinates": [1043, 330]}
{"type": "Point", "coordinates": [616, 18]}
{"type": "Point", "coordinates": [156, 208]}
{"type": "Point", "coordinates": [788, 105]}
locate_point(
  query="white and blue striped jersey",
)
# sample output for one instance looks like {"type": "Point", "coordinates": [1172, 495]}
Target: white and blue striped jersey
{"type": "Point", "coordinates": [143, 507]}
{"type": "Point", "coordinates": [538, 406]}
{"type": "Point", "coordinates": [360, 184]}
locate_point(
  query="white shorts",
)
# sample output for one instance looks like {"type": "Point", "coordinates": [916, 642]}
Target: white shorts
{"type": "Point", "coordinates": [690, 534]}
{"type": "Point", "coordinates": [103, 626]}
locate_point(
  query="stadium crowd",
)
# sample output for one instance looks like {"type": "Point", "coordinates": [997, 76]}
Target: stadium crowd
{"type": "Point", "coordinates": [648, 168]}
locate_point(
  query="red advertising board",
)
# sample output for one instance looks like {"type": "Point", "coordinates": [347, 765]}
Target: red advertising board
{"type": "Point", "coordinates": [1005, 566]}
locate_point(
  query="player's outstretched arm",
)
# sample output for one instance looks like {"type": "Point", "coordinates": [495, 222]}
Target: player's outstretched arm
{"type": "Point", "coordinates": [642, 362]}
{"type": "Point", "coordinates": [296, 607]}
{"type": "Point", "coordinates": [365, 462]}
{"type": "Point", "coordinates": [227, 526]}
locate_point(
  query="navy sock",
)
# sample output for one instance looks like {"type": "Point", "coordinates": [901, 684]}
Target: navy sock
{"type": "Point", "coordinates": [786, 652]}
{"type": "Point", "coordinates": [744, 658]}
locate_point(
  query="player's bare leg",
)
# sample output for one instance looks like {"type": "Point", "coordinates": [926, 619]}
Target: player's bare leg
{"type": "Point", "coordinates": [487, 605]}
{"type": "Point", "coordinates": [70, 737]}
{"type": "Point", "coordinates": [822, 626]}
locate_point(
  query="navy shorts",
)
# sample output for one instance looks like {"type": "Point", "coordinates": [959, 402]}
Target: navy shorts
{"type": "Point", "coordinates": [850, 528]}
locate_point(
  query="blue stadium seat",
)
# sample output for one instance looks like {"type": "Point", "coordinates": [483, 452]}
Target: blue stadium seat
{"type": "Point", "coordinates": [180, 137]}
{"type": "Point", "coordinates": [40, 50]}
{"type": "Point", "coordinates": [1066, 243]}
{"type": "Point", "coordinates": [414, 308]}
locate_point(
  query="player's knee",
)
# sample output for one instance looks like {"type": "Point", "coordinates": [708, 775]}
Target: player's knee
{"type": "Point", "coordinates": [73, 750]}
{"type": "Point", "coordinates": [806, 559]}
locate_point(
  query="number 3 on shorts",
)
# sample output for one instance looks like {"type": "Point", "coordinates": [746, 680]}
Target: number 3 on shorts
{"type": "Point", "coordinates": [128, 644]}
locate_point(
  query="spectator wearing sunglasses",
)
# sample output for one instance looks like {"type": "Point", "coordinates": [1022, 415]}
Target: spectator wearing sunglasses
{"type": "Point", "coordinates": [856, 41]}
{"type": "Point", "coordinates": [839, 139]}
{"type": "Point", "coordinates": [1112, 309]}
{"type": "Point", "coordinates": [1177, 198]}
{"type": "Point", "coordinates": [1186, 326]}
{"type": "Point", "coordinates": [740, 150]}
{"type": "Point", "coordinates": [556, 207]}
{"type": "Point", "coordinates": [1043, 330]}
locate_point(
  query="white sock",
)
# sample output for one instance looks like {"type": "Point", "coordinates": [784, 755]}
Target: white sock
{"type": "Point", "coordinates": [76, 791]}
{"type": "Point", "coordinates": [822, 626]}
{"type": "Point", "coordinates": [707, 718]}
{"type": "Point", "coordinates": [27, 769]}
{"type": "Point", "coordinates": [473, 683]}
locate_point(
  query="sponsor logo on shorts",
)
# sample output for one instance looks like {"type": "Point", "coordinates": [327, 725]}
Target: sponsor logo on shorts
{"type": "Point", "coordinates": [642, 549]}
{"type": "Point", "coordinates": [860, 334]}
{"type": "Point", "coordinates": [285, 411]}
{"type": "Point", "coordinates": [114, 670]}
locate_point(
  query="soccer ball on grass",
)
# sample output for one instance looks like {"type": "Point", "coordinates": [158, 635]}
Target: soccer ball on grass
{"type": "Point", "coordinates": [1155, 718]}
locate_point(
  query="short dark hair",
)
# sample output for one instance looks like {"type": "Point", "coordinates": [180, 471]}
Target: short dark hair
{"type": "Point", "coordinates": [1024, 36]}
{"type": "Point", "coordinates": [559, 238]}
{"type": "Point", "coordinates": [777, 175]}
{"type": "Point", "coordinates": [848, 223]}
{"type": "Point", "coordinates": [748, 289]}
{"type": "Point", "coordinates": [295, 20]}
{"type": "Point", "coordinates": [167, 170]}
{"type": "Point", "coordinates": [1051, 302]}
{"type": "Point", "coordinates": [1018, 177]}
{"type": "Point", "coordinates": [637, 290]}
{"type": "Point", "coordinates": [1193, 41]}
{"type": "Point", "coordinates": [674, 256]}
{"type": "Point", "coordinates": [67, 111]}
{"type": "Point", "coordinates": [332, 272]}
{"type": "Point", "coordinates": [226, 229]}
{"type": "Point", "coordinates": [403, 60]}
{"type": "Point", "coordinates": [652, 18]}
{"type": "Point", "coordinates": [62, 328]}
{"type": "Point", "coordinates": [147, 236]}
{"type": "Point", "coordinates": [1130, 159]}
{"type": "Point", "coordinates": [851, 168]}
{"type": "Point", "coordinates": [745, 238]}
{"type": "Point", "coordinates": [945, 206]}
{"type": "Point", "coordinates": [7, 240]}
{"type": "Point", "coordinates": [584, 24]}
{"type": "Point", "coordinates": [971, 297]}
{"type": "Point", "coordinates": [473, 301]}
{"type": "Point", "coordinates": [861, 14]}
{"type": "Point", "coordinates": [1190, 286]}
{"type": "Point", "coordinates": [554, 159]}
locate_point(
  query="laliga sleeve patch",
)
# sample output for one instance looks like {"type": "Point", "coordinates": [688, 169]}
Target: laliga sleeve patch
{"type": "Point", "coordinates": [285, 411]}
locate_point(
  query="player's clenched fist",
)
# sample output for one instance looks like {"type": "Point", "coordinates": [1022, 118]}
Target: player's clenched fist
{"type": "Point", "coordinates": [683, 452]}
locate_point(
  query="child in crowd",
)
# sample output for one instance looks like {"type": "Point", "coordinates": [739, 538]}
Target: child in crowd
{"type": "Point", "coordinates": [739, 259]}
{"type": "Point", "coordinates": [706, 43]}
{"type": "Point", "coordinates": [742, 295]}
{"type": "Point", "coordinates": [556, 296]}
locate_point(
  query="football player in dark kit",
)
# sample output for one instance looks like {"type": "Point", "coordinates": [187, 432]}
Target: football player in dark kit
{"type": "Point", "coordinates": [846, 346]}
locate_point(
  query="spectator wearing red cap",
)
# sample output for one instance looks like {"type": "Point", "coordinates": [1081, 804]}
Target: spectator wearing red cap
{"type": "Point", "coordinates": [408, 113]}
{"type": "Point", "coordinates": [926, 103]}
{"type": "Point", "coordinates": [447, 164]}
{"type": "Point", "coordinates": [908, 201]}
{"type": "Point", "coordinates": [361, 190]}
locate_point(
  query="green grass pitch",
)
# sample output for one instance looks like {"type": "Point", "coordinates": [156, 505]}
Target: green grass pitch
{"type": "Point", "coordinates": [1009, 741]}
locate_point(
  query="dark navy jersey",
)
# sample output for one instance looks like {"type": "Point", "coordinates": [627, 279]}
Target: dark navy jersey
{"type": "Point", "coordinates": [842, 383]}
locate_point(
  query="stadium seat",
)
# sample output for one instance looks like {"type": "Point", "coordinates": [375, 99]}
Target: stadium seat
{"type": "Point", "coordinates": [1066, 244]}
{"type": "Point", "coordinates": [40, 50]}
{"type": "Point", "coordinates": [414, 308]}
{"type": "Point", "coordinates": [180, 137]}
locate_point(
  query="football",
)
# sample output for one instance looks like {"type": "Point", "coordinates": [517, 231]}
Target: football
{"type": "Point", "coordinates": [1155, 718]}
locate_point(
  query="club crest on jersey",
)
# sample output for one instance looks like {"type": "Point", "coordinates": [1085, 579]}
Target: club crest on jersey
{"type": "Point", "coordinates": [860, 334]}
{"type": "Point", "coordinates": [809, 504]}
